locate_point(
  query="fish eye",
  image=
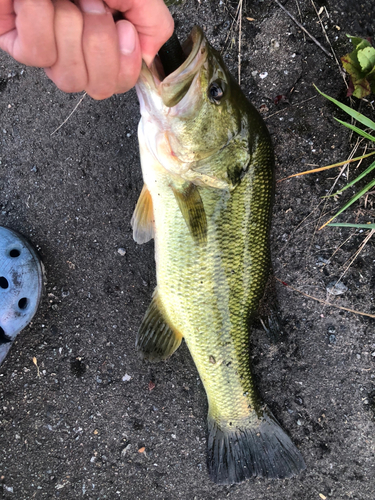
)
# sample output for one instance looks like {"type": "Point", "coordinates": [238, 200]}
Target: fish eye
{"type": "Point", "coordinates": [216, 92]}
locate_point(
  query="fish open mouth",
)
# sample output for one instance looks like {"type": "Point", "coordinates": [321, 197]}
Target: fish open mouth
{"type": "Point", "coordinates": [174, 87]}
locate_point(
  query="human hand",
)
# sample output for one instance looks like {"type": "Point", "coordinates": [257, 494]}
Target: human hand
{"type": "Point", "coordinates": [80, 45]}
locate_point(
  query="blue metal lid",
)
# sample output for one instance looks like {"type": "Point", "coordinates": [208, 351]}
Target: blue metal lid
{"type": "Point", "coordinates": [21, 286]}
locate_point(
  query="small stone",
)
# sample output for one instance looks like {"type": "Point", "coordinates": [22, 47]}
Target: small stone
{"type": "Point", "coordinates": [336, 288]}
{"type": "Point", "coordinates": [299, 422]}
{"type": "Point", "coordinates": [126, 378]}
{"type": "Point", "coordinates": [125, 450]}
{"type": "Point", "coordinates": [121, 251]}
{"type": "Point", "coordinates": [332, 339]}
{"type": "Point", "coordinates": [298, 400]}
{"type": "Point", "coordinates": [9, 489]}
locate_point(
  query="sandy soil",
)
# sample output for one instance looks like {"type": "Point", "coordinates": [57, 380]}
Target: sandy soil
{"type": "Point", "coordinates": [77, 430]}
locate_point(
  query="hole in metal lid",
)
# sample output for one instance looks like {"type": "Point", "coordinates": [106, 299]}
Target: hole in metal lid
{"type": "Point", "coordinates": [23, 303]}
{"type": "Point", "coordinates": [14, 253]}
{"type": "Point", "coordinates": [3, 282]}
{"type": "Point", "coordinates": [4, 339]}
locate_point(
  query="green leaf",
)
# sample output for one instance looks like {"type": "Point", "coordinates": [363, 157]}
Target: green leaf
{"type": "Point", "coordinates": [354, 114]}
{"type": "Point", "coordinates": [366, 58]}
{"type": "Point", "coordinates": [358, 226]}
{"type": "Point", "coordinates": [355, 197]}
{"type": "Point", "coordinates": [358, 64]}
{"type": "Point", "coordinates": [357, 129]}
{"type": "Point", "coordinates": [367, 171]}
{"type": "Point", "coordinates": [359, 41]}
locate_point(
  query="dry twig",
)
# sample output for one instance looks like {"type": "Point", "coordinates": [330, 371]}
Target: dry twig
{"type": "Point", "coordinates": [325, 302]}
{"type": "Point", "coordinates": [239, 41]}
{"type": "Point", "coordinates": [66, 119]}
{"type": "Point", "coordinates": [329, 43]}
{"type": "Point", "coordinates": [304, 29]}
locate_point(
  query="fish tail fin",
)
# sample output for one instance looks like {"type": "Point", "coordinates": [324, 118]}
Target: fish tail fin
{"type": "Point", "coordinates": [256, 450]}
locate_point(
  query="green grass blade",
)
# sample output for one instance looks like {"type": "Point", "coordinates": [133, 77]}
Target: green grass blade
{"type": "Point", "coordinates": [354, 114]}
{"type": "Point", "coordinates": [357, 226]}
{"type": "Point", "coordinates": [355, 198]}
{"type": "Point", "coordinates": [367, 171]}
{"type": "Point", "coordinates": [356, 129]}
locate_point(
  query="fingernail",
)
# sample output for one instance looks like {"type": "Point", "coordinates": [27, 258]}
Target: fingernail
{"type": "Point", "coordinates": [93, 6]}
{"type": "Point", "coordinates": [127, 37]}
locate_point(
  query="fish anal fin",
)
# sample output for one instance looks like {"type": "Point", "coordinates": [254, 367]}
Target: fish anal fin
{"type": "Point", "coordinates": [191, 205]}
{"type": "Point", "coordinates": [256, 449]}
{"type": "Point", "coordinates": [143, 218]}
{"type": "Point", "coordinates": [156, 339]}
{"type": "Point", "coordinates": [269, 311]}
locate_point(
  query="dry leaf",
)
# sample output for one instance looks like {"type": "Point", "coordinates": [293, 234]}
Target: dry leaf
{"type": "Point", "coordinates": [37, 367]}
{"type": "Point", "coordinates": [151, 385]}
{"type": "Point", "coordinates": [250, 19]}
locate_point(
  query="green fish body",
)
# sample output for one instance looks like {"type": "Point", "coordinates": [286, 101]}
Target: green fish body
{"type": "Point", "coordinates": [207, 164]}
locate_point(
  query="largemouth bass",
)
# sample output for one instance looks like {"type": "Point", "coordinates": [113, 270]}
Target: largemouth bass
{"type": "Point", "coordinates": [207, 165]}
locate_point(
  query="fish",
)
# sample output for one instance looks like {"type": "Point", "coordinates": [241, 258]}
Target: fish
{"type": "Point", "coordinates": [208, 170]}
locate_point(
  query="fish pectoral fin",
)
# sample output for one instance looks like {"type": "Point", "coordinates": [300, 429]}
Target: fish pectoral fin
{"type": "Point", "coordinates": [143, 218]}
{"type": "Point", "coordinates": [156, 340]}
{"type": "Point", "coordinates": [191, 205]}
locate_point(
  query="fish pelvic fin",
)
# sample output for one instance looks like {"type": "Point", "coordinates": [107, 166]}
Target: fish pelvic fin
{"type": "Point", "coordinates": [191, 205]}
{"type": "Point", "coordinates": [143, 218]}
{"type": "Point", "coordinates": [156, 339]}
{"type": "Point", "coordinates": [239, 453]}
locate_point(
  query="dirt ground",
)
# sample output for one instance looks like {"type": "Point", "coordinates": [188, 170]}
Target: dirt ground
{"type": "Point", "coordinates": [78, 429]}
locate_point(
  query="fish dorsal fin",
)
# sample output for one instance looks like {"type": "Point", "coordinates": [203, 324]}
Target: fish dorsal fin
{"type": "Point", "coordinates": [156, 340]}
{"type": "Point", "coordinates": [143, 218]}
{"type": "Point", "coordinates": [191, 205]}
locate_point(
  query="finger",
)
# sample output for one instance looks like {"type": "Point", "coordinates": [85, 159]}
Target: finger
{"type": "Point", "coordinates": [100, 49]}
{"type": "Point", "coordinates": [130, 56]}
{"type": "Point", "coordinates": [69, 72]}
{"type": "Point", "coordinates": [7, 17]}
{"type": "Point", "coordinates": [31, 41]}
{"type": "Point", "coordinates": [152, 21]}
